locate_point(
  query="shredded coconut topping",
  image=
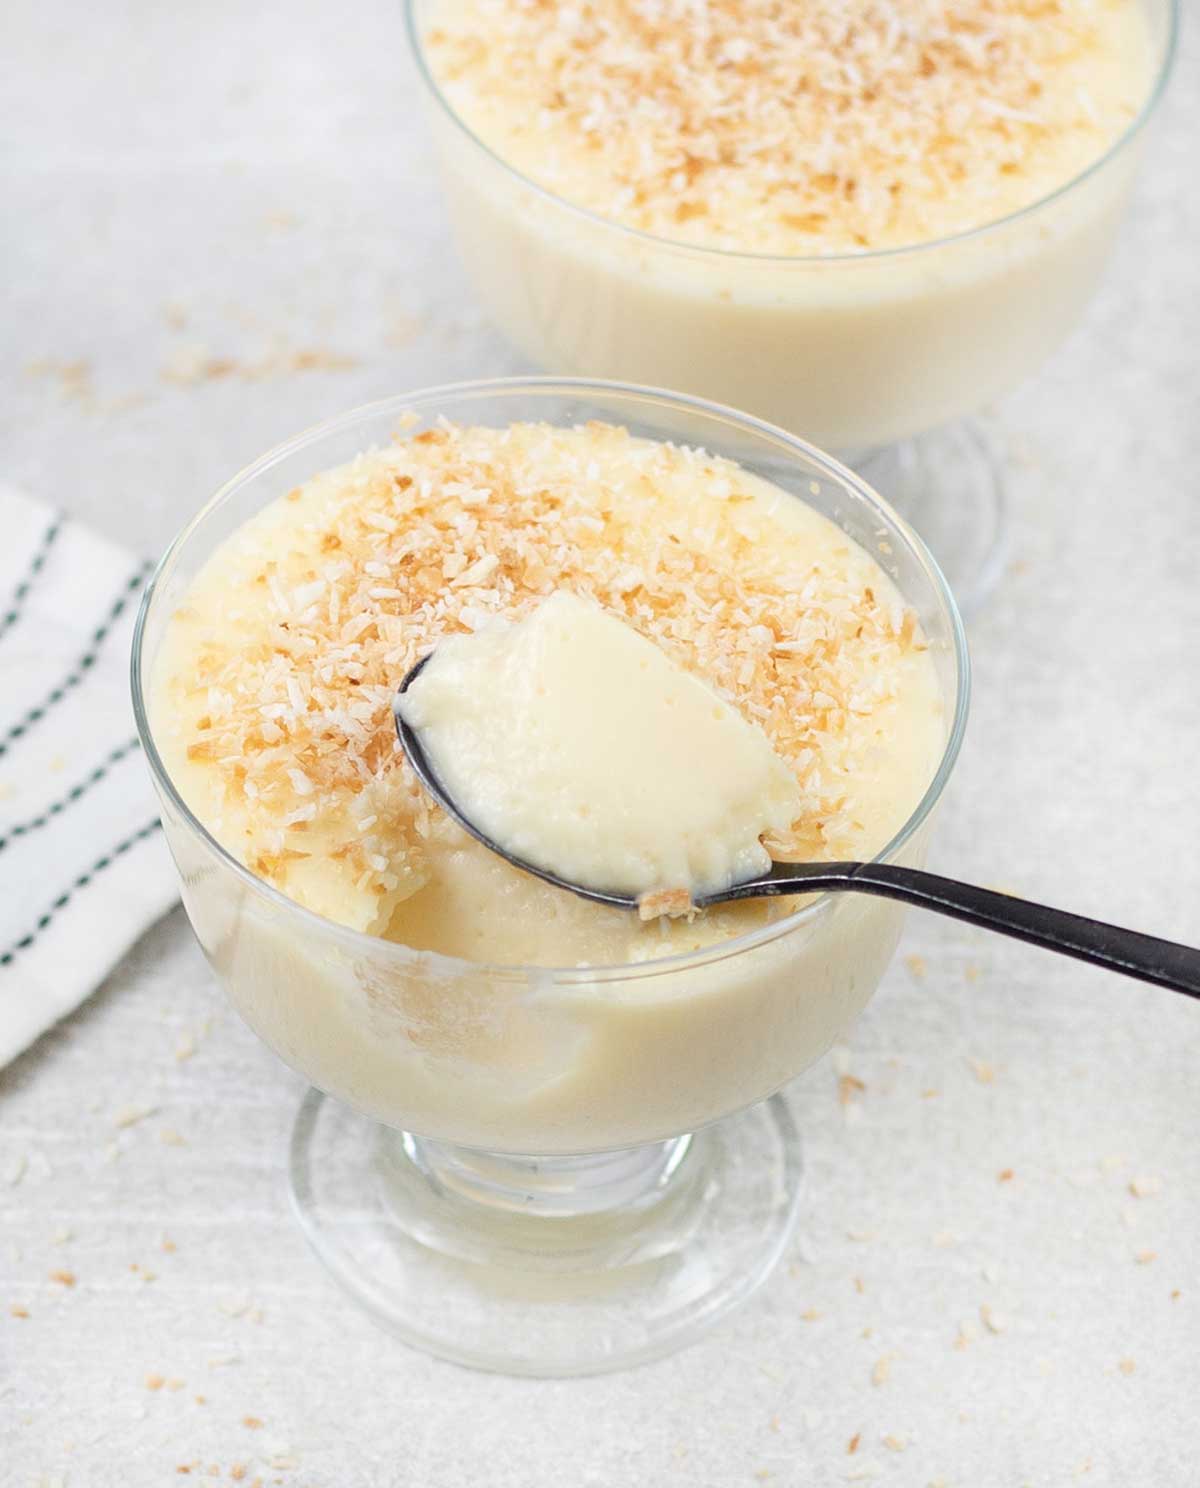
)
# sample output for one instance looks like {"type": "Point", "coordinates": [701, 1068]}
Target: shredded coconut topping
{"type": "Point", "coordinates": [817, 125]}
{"type": "Point", "coordinates": [289, 654]}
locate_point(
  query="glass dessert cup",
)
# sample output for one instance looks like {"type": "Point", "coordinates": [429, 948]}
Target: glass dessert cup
{"type": "Point", "coordinates": [533, 1170]}
{"type": "Point", "coordinates": [880, 356]}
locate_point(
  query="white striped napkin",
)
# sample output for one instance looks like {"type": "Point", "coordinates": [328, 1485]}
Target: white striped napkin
{"type": "Point", "coordinates": [83, 867]}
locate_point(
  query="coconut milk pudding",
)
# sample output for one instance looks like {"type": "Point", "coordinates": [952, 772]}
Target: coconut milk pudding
{"type": "Point", "coordinates": [271, 707]}
{"type": "Point", "coordinates": [805, 144]}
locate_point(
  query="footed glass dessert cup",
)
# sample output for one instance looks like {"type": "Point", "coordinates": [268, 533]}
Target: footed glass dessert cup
{"type": "Point", "coordinates": [880, 355]}
{"type": "Point", "coordinates": [526, 1169]}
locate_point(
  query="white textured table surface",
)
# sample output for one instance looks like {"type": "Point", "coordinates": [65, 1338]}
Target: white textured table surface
{"type": "Point", "coordinates": [221, 224]}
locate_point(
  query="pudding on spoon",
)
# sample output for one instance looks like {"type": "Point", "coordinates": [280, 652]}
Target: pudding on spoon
{"type": "Point", "coordinates": [584, 749]}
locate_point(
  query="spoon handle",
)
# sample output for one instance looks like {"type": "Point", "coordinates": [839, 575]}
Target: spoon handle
{"type": "Point", "coordinates": [1163, 962]}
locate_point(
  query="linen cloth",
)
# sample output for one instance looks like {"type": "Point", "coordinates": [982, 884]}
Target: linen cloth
{"type": "Point", "coordinates": [84, 870]}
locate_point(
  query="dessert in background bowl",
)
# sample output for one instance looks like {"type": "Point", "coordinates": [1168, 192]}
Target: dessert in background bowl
{"type": "Point", "coordinates": [550, 1148]}
{"type": "Point", "coordinates": [860, 225]}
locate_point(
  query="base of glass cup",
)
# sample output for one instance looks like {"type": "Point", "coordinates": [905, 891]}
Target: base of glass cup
{"type": "Point", "coordinates": [948, 485]}
{"type": "Point", "coordinates": [546, 1266]}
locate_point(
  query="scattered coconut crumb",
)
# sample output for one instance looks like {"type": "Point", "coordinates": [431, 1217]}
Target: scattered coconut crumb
{"type": "Point", "coordinates": [895, 1442]}
{"type": "Point", "coordinates": [252, 1423]}
{"type": "Point", "coordinates": [185, 1048]}
{"type": "Point", "coordinates": [1145, 1188]}
{"type": "Point", "coordinates": [918, 966]}
{"type": "Point", "coordinates": [810, 1315]}
{"type": "Point", "coordinates": [982, 1071]}
{"type": "Point", "coordinates": [1005, 1175]}
{"type": "Point", "coordinates": [188, 365]}
{"type": "Point", "coordinates": [994, 1322]}
{"type": "Point", "coordinates": [74, 378]}
{"type": "Point", "coordinates": [16, 1170]}
{"type": "Point", "coordinates": [849, 1086]}
{"type": "Point", "coordinates": [853, 1444]}
{"type": "Point", "coordinates": [63, 1278]}
{"type": "Point", "coordinates": [236, 1307]}
{"type": "Point", "coordinates": [1127, 1366]}
{"type": "Point", "coordinates": [155, 1382]}
{"type": "Point", "coordinates": [131, 1115]}
{"type": "Point", "coordinates": [17, 1311]}
{"type": "Point", "coordinates": [170, 1137]}
{"type": "Point", "coordinates": [1144, 1257]}
{"type": "Point", "coordinates": [881, 1371]}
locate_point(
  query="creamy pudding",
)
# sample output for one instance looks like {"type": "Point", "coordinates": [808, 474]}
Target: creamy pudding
{"type": "Point", "coordinates": [738, 199]}
{"type": "Point", "coordinates": [277, 676]}
{"type": "Point", "coordinates": [270, 702]}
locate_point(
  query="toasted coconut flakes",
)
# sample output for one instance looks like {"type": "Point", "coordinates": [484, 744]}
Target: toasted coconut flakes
{"type": "Point", "coordinates": [1145, 1188]}
{"type": "Point", "coordinates": [669, 902]}
{"type": "Point", "coordinates": [792, 129]}
{"type": "Point", "coordinates": [296, 702]}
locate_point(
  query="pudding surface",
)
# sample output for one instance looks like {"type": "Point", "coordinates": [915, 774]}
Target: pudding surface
{"type": "Point", "coordinates": [272, 703]}
{"type": "Point", "coordinates": [807, 129]}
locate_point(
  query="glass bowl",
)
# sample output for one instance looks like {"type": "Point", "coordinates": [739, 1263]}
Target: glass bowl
{"type": "Point", "coordinates": [861, 353]}
{"type": "Point", "coordinates": [535, 1170]}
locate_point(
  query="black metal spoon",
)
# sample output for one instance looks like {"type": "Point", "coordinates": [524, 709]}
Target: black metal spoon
{"type": "Point", "coordinates": [1146, 957]}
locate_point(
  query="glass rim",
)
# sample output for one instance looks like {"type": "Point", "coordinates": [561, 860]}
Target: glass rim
{"type": "Point", "coordinates": [427, 400]}
{"type": "Point", "coordinates": [870, 255]}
